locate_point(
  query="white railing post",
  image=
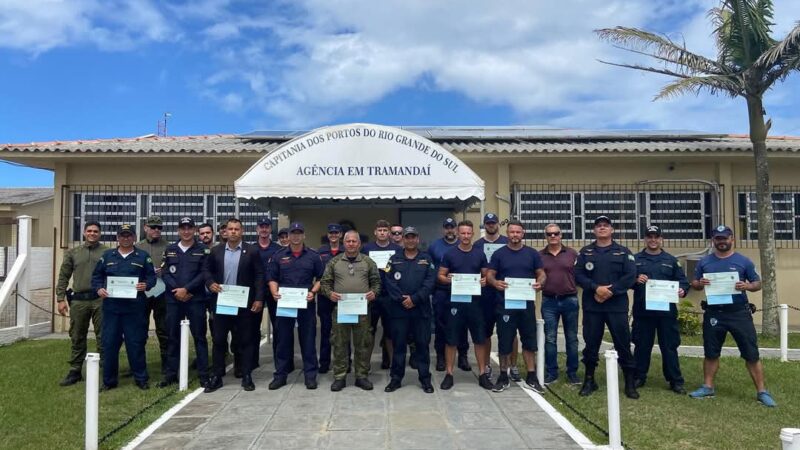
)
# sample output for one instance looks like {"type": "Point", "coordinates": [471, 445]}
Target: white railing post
{"type": "Point", "coordinates": [24, 281]}
{"type": "Point", "coordinates": [540, 352]}
{"type": "Point", "coordinates": [183, 378]}
{"type": "Point", "coordinates": [92, 394]}
{"type": "Point", "coordinates": [784, 319]}
{"type": "Point", "coordinates": [612, 380]}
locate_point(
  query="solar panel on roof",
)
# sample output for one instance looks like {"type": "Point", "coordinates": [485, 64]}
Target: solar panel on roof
{"type": "Point", "coordinates": [271, 134]}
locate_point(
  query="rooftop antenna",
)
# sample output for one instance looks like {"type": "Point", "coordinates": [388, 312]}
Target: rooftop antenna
{"type": "Point", "coordinates": [162, 125]}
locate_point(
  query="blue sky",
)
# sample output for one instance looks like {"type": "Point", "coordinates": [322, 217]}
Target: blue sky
{"type": "Point", "coordinates": [85, 69]}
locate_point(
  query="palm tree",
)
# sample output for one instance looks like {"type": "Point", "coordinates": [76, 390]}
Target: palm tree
{"type": "Point", "coordinates": [749, 61]}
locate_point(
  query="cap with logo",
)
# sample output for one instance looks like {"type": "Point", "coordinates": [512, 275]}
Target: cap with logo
{"type": "Point", "coordinates": [334, 228]}
{"type": "Point", "coordinates": [154, 221]}
{"type": "Point", "coordinates": [723, 231]}
{"type": "Point", "coordinates": [409, 231]}
{"type": "Point", "coordinates": [186, 221]}
{"type": "Point", "coordinates": [283, 231]}
{"type": "Point", "coordinates": [652, 229]}
{"type": "Point", "coordinates": [265, 221]}
{"type": "Point", "coordinates": [599, 219]}
{"type": "Point", "coordinates": [297, 226]}
{"type": "Point", "coordinates": [490, 218]}
{"type": "Point", "coordinates": [125, 229]}
{"type": "Point", "coordinates": [449, 222]}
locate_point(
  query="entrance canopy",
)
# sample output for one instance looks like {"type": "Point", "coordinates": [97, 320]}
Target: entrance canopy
{"type": "Point", "coordinates": [360, 163]}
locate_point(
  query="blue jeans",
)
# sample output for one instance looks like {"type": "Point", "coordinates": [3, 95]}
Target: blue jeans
{"type": "Point", "coordinates": [567, 309]}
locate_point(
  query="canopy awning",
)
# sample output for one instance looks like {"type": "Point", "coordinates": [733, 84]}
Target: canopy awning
{"type": "Point", "coordinates": [360, 162]}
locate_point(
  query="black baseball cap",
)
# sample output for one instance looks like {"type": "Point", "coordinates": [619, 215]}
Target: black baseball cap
{"type": "Point", "coordinates": [449, 222]}
{"type": "Point", "coordinates": [334, 228]}
{"type": "Point", "coordinates": [490, 218]}
{"type": "Point", "coordinates": [652, 229]}
{"type": "Point", "coordinates": [722, 230]}
{"type": "Point", "coordinates": [265, 221]}
{"type": "Point", "coordinates": [599, 219]}
{"type": "Point", "coordinates": [186, 221]}
{"type": "Point", "coordinates": [126, 229]}
{"type": "Point", "coordinates": [410, 230]}
{"type": "Point", "coordinates": [283, 231]}
{"type": "Point", "coordinates": [297, 226]}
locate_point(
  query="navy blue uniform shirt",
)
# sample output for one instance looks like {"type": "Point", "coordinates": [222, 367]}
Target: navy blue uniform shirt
{"type": "Point", "coordinates": [459, 261]}
{"type": "Point", "coordinates": [522, 263]}
{"type": "Point", "coordinates": [184, 270]}
{"type": "Point", "coordinates": [295, 271]}
{"type": "Point", "coordinates": [138, 264]}
{"type": "Point", "coordinates": [662, 266]}
{"type": "Point", "coordinates": [410, 276]}
{"type": "Point", "coordinates": [735, 263]}
{"type": "Point", "coordinates": [266, 255]}
{"type": "Point", "coordinates": [601, 266]}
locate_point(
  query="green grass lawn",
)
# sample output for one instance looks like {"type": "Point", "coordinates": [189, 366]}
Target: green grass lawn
{"type": "Point", "coordinates": [661, 419]}
{"type": "Point", "coordinates": [763, 341]}
{"type": "Point", "coordinates": [37, 413]}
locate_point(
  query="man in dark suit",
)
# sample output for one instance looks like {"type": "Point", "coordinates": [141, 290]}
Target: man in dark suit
{"type": "Point", "coordinates": [235, 263]}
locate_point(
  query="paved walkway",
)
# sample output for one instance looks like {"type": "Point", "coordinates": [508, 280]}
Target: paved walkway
{"type": "Point", "coordinates": [294, 417]}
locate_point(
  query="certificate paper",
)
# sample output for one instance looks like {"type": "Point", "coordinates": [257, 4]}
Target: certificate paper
{"type": "Point", "coordinates": [515, 304]}
{"type": "Point", "coordinates": [158, 289]}
{"type": "Point", "coordinates": [466, 284]}
{"type": "Point", "coordinates": [122, 287]}
{"type": "Point", "coordinates": [346, 318]}
{"type": "Point", "coordinates": [352, 304]}
{"type": "Point", "coordinates": [661, 291]}
{"type": "Point", "coordinates": [227, 310]}
{"type": "Point", "coordinates": [460, 298]}
{"type": "Point", "coordinates": [520, 289]}
{"type": "Point", "coordinates": [293, 298]}
{"type": "Point", "coordinates": [381, 257]}
{"type": "Point", "coordinates": [233, 295]}
{"type": "Point", "coordinates": [722, 283]}
{"type": "Point", "coordinates": [489, 249]}
{"type": "Point", "coordinates": [286, 312]}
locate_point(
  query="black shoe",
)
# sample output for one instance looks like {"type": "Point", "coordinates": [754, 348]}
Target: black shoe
{"type": "Point", "coordinates": [364, 384]}
{"type": "Point", "coordinates": [324, 369]}
{"type": "Point", "coordinates": [311, 383]}
{"type": "Point", "coordinates": [338, 385]}
{"type": "Point", "coordinates": [485, 382]}
{"type": "Point", "coordinates": [589, 386]}
{"type": "Point", "coordinates": [167, 382]}
{"type": "Point", "coordinates": [440, 363]}
{"type": "Point", "coordinates": [247, 383]}
{"type": "Point", "coordinates": [107, 387]}
{"type": "Point", "coordinates": [532, 383]}
{"type": "Point", "coordinates": [427, 388]}
{"type": "Point", "coordinates": [72, 377]}
{"type": "Point", "coordinates": [237, 372]}
{"type": "Point", "coordinates": [630, 387]}
{"type": "Point", "coordinates": [678, 389]}
{"type": "Point", "coordinates": [447, 382]}
{"type": "Point", "coordinates": [385, 364]}
{"type": "Point", "coordinates": [213, 384]}
{"type": "Point", "coordinates": [639, 382]}
{"type": "Point", "coordinates": [277, 383]}
{"type": "Point", "coordinates": [143, 385]}
{"type": "Point", "coordinates": [203, 382]}
{"type": "Point", "coordinates": [463, 363]}
{"type": "Point", "coordinates": [392, 386]}
{"type": "Point", "coordinates": [502, 383]}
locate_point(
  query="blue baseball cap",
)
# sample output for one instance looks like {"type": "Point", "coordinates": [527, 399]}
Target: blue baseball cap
{"type": "Point", "coordinates": [334, 228]}
{"type": "Point", "coordinates": [722, 230]}
{"type": "Point", "coordinates": [449, 222]}
{"type": "Point", "coordinates": [599, 219]}
{"type": "Point", "coordinates": [490, 218]}
{"type": "Point", "coordinates": [296, 226]}
{"type": "Point", "coordinates": [265, 221]}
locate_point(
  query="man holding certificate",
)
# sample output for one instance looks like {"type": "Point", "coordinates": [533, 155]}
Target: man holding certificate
{"type": "Point", "coordinates": [517, 272]}
{"type": "Point", "coordinates": [294, 274]}
{"type": "Point", "coordinates": [660, 282]}
{"type": "Point", "coordinates": [234, 272]}
{"type": "Point", "coordinates": [726, 276]}
{"type": "Point", "coordinates": [351, 281]}
{"type": "Point", "coordinates": [463, 268]}
{"type": "Point", "coordinates": [121, 278]}
{"type": "Point", "coordinates": [489, 243]}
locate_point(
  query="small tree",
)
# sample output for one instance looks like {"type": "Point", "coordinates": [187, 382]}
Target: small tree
{"type": "Point", "coordinates": [749, 61]}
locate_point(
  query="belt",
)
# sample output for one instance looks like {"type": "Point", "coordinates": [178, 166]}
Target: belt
{"type": "Point", "coordinates": [736, 307]}
{"type": "Point", "coordinates": [85, 295]}
{"type": "Point", "coordinates": [561, 297]}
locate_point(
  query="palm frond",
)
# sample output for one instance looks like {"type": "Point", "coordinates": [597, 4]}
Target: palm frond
{"type": "Point", "coordinates": [728, 85]}
{"type": "Point", "coordinates": [788, 48]}
{"type": "Point", "coordinates": [779, 73]}
{"type": "Point", "coordinates": [742, 30]}
{"type": "Point", "coordinates": [661, 48]}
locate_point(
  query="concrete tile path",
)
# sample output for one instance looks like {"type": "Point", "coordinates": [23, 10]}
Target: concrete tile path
{"type": "Point", "coordinates": [464, 417]}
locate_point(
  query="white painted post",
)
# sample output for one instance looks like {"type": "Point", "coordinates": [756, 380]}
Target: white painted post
{"type": "Point", "coordinates": [612, 380]}
{"type": "Point", "coordinates": [540, 352]}
{"type": "Point", "coordinates": [24, 281]}
{"type": "Point", "coordinates": [183, 378]}
{"type": "Point", "coordinates": [784, 319]}
{"type": "Point", "coordinates": [92, 394]}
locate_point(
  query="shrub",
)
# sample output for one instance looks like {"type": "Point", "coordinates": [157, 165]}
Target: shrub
{"type": "Point", "coordinates": [688, 320]}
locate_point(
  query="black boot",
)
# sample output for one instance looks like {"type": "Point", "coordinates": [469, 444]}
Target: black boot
{"type": "Point", "coordinates": [440, 362]}
{"type": "Point", "coordinates": [589, 386]}
{"type": "Point", "coordinates": [630, 386]}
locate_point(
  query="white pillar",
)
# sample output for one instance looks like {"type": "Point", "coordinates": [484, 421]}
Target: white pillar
{"type": "Point", "coordinates": [24, 281]}
{"type": "Point", "coordinates": [784, 319]}
{"type": "Point", "coordinates": [540, 352]}
{"type": "Point", "coordinates": [92, 394]}
{"type": "Point", "coordinates": [183, 378]}
{"type": "Point", "coordinates": [612, 382]}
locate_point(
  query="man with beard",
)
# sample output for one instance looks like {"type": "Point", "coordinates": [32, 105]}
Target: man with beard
{"type": "Point", "coordinates": [441, 300]}
{"type": "Point", "coordinates": [492, 240]}
{"type": "Point", "coordinates": [729, 313]}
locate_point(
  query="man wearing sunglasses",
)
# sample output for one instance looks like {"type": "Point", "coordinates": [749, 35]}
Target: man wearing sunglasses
{"type": "Point", "coordinates": [155, 246]}
{"type": "Point", "coordinates": [396, 234]}
{"type": "Point", "coordinates": [559, 301]}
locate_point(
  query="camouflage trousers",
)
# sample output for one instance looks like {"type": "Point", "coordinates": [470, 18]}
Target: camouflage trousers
{"type": "Point", "coordinates": [81, 314]}
{"type": "Point", "coordinates": [362, 338]}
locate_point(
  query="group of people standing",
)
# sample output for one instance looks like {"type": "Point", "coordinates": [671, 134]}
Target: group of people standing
{"type": "Point", "coordinates": [459, 287]}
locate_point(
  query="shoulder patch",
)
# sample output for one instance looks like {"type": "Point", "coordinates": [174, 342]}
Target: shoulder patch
{"type": "Point", "coordinates": [207, 251]}
{"type": "Point", "coordinates": [630, 257]}
{"type": "Point", "coordinates": [149, 259]}
{"type": "Point", "coordinates": [678, 263]}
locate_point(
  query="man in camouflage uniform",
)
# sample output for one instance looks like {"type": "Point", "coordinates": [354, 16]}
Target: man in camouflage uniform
{"type": "Point", "coordinates": [351, 273]}
{"type": "Point", "coordinates": [84, 305]}
{"type": "Point", "coordinates": [155, 246]}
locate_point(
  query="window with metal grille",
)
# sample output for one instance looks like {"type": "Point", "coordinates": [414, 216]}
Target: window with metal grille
{"type": "Point", "coordinates": [786, 214]}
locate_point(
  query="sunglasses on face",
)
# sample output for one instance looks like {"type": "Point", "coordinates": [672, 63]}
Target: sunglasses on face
{"type": "Point", "coordinates": [155, 227]}
{"type": "Point", "coordinates": [397, 233]}
{"type": "Point", "coordinates": [553, 233]}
